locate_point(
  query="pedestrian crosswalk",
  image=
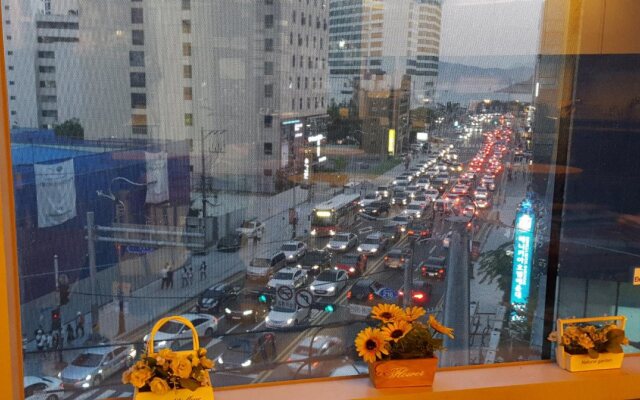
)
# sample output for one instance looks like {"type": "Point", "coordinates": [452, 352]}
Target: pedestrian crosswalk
{"type": "Point", "coordinates": [97, 394]}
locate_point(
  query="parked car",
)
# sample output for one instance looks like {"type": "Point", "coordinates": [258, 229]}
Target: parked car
{"type": "Point", "coordinates": [291, 276]}
{"type": "Point", "coordinates": [286, 315]}
{"type": "Point", "coordinates": [330, 282]}
{"type": "Point", "coordinates": [323, 346]}
{"type": "Point", "coordinates": [266, 265]}
{"type": "Point", "coordinates": [251, 228]}
{"type": "Point", "coordinates": [294, 250]}
{"type": "Point", "coordinates": [374, 243]}
{"type": "Point", "coordinates": [343, 242]}
{"type": "Point", "coordinates": [315, 261]}
{"type": "Point", "coordinates": [173, 334]}
{"type": "Point", "coordinates": [43, 388]}
{"type": "Point", "coordinates": [353, 264]}
{"type": "Point", "coordinates": [230, 242]}
{"type": "Point", "coordinates": [245, 309]}
{"type": "Point", "coordinates": [216, 298]}
{"type": "Point", "coordinates": [93, 365]}
{"type": "Point", "coordinates": [247, 352]}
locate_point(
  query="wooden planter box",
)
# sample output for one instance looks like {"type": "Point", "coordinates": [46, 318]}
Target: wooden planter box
{"type": "Point", "coordinates": [403, 373]}
{"type": "Point", "coordinates": [202, 393]}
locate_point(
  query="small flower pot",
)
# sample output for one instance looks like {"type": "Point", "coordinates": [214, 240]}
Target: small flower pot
{"type": "Point", "coordinates": [582, 362]}
{"type": "Point", "coordinates": [403, 373]}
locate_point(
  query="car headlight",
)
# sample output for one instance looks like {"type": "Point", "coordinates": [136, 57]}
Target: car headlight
{"type": "Point", "coordinates": [332, 232]}
{"type": "Point", "coordinates": [246, 363]}
{"type": "Point", "coordinates": [86, 385]}
{"type": "Point", "coordinates": [331, 289]}
{"type": "Point", "coordinates": [133, 353]}
{"type": "Point", "coordinates": [395, 182]}
{"type": "Point", "coordinates": [404, 201]}
{"type": "Point", "coordinates": [359, 248]}
{"type": "Point", "coordinates": [362, 210]}
{"type": "Point", "coordinates": [226, 310]}
{"type": "Point", "coordinates": [402, 229]}
{"type": "Point", "coordinates": [329, 244]}
{"type": "Point", "coordinates": [266, 319]}
{"type": "Point", "coordinates": [248, 312]}
{"type": "Point", "coordinates": [418, 215]}
{"type": "Point", "coordinates": [220, 360]}
{"type": "Point", "coordinates": [299, 265]}
{"type": "Point", "coordinates": [312, 287]}
{"type": "Point", "coordinates": [393, 201]}
{"type": "Point", "coordinates": [290, 256]}
{"type": "Point", "coordinates": [344, 246]}
{"type": "Point", "coordinates": [374, 211]}
{"type": "Point", "coordinates": [374, 250]}
{"type": "Point", "coordinates": [315, 267]}
{"type": "Point", "coordinates": [313, 232]}
{"type": "Point", "coordinates": [60, 375]}
{"type": "Point", "coordinates": [290, 321]}
{"type": "Point", "coordinates": [88, 377]}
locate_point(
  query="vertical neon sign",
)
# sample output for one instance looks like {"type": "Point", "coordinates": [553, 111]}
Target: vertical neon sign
{"type": "Point", "coordinates": [522, 254]}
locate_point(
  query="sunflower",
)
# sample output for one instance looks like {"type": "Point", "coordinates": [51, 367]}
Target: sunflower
{"type": "Point", "coordinates": [438, 327]}
{"type": "Point", "coordinates": [397, 330]}
{"type": "Point", "coordinates": [371, 344]}
{"type": "Point", "coordinates": [387, 312]}
{"type": "Point", "coordinates": [413, 313]}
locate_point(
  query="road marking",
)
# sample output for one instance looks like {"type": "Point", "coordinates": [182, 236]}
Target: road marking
{"type": "Point", "coordinates": [255, 328]}
{"type": "Point", "coordinates": [86, 395]}
{"type": "Point", "coordinates": [432, 250]}
{"type": "Point", "coordinates": [106, 394]}
{"type": "Point", "coordinates": [233, 328]}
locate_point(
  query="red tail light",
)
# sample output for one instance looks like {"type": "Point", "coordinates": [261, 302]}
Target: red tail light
{"type": "Point", "coordinates": [418, 296]}
{"type": "Point", "coordinates": [424, 269]}
{"type": "Point", "coordinates": [410, 233]}
{"type": "Point", "coordinates": [386, 258]}
{"type": "Point", "coordinates": [349, 294]}
{"type": "Point", "coordinates": [441, 271]}
{"type": "Point", "coordinates": [370, 297]}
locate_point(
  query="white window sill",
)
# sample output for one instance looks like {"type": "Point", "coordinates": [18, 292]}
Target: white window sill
{"type": "Point", "coordinates": [530, 380]}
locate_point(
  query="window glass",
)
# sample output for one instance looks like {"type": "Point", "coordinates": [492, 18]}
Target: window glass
{"type": "Point", "coordinates": [155, 158]}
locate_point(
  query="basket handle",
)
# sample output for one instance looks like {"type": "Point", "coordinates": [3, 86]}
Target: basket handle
{"type": "Point", "coordinates": [621, 321]}
{"type": "Point", "coordinates": [175, 318]}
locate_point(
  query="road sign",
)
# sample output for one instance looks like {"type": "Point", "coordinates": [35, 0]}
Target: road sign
{"type": "Point", "coordinates": [285, 293]}
{"type": "Point", "coordinates": [304, 298]}
{"type": "Point", "coordinates": [388, 293]}
{"type": "Point", "coordinates": [139, 249]}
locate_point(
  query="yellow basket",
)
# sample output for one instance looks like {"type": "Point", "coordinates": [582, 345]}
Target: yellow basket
{"type": "Point", "coordinates": [582, 362]}
{"type": "Point", "coordinates": [201, 393]}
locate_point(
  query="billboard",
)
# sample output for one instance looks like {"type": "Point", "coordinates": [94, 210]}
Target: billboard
{"type": "Point", "coordinates": [391, 145]}
{"type": "Point", "coordinates": [522, 254]}
{"type": "Point", "coordinates": [422, 136]}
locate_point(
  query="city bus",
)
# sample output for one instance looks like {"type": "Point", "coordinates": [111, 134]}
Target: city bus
{"type": "Point", "coordinates": [330, 217]}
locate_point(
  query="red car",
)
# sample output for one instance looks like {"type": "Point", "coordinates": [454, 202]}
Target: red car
{"type": "Point", "coordinates": [420, 293]}
{"type": "Point", "coordinates": [353, 264]}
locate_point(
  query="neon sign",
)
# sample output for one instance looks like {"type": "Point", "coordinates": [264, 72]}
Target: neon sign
{"type": "Point", "coordinates": [522, 255]}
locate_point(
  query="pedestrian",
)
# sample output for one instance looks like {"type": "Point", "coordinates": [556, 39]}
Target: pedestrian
{"type": "Point", "coordinates": [79, 325]}
{"type": "Point", "coordinates": [203, 270]}
{"type": "Point", "coordinates": [49, 341]}
{"type": "Point", "coordinates": [70, 335]}
{"type": "Point", "coordinates": [190, 275]}
{"type": "Point", "coordinates": [170, 276]}
{"type": "Point", "coordinates": [164, 273]}
{"type": "Point", "coordinates": [185, 276]}
{"type": "Point", "coordinates": [259, 234]}
{"type": "Point", "coordinates": [41, 340]}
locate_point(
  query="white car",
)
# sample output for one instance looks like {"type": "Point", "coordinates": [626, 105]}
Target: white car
{"type": "Point", "coordinates": [286, 315]}
{"type": "Point", "coordinates": [402, 220]}
{"type": "Point", "coordinates": [370, 198]}
{"type": "Point", "coordinates": [481, 194]}
{"type": "Point", "coordinates": [412, 190]}
{"type": "Point", "coordinates": [173, 333]}
{"type": "Point", "coordinates": [323, 346]}
{"type": "Point", "coordinates": [93, 365]}
{"type": "Point", "coordinates": [422, 200]}
{"type": "Point", "coordinates": [433, 194]}
{"type": "Point", "coordinates": [414, 210]}
{"type": "Point", "coordinates": [294, 250]}
{"type": "Point", "coordinates": [330, 282]}
{"type": "Point", "coordinates": [342, 242]}
{"type": "Point", "coordinates": [39, 388]}
{"type": "Point", "coordinates": [251, 228]}
{"type": "Point", "coordinates": [482, 203]}
{"type": "Point", "coordinates": [291, 277]}
{"type": "Point", "coordinates": [424, 182]}
{"type": "Point", "coordinates": [459, 190]}
{"type": "Point", "coordinates": [373, 244]}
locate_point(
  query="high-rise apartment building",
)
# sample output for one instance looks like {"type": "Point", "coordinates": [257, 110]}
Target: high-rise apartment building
{"type": "Point", "coordinates": [244, 81]}
{"type": "Point", "coordinates": [384, 41]}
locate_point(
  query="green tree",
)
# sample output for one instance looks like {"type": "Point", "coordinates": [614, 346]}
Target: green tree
{"type": "Point", "coordinates": [497, 265]}
{"type": "Point", "coordinates": [70, 128]}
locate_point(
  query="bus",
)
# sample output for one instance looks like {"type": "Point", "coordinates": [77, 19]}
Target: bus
{"type": "Point", "coordinates": [329, 217]}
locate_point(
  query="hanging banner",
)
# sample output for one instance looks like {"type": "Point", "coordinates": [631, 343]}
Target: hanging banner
{"type": "Point", "coordinates": [55, 193]}
{"type": "Point", "coordinates": [157, 177]}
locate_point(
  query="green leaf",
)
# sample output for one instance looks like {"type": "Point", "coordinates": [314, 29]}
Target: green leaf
{"type": "Point", "coordinates": [190, 384]}
{"type": "Point", "coordinates": [593, 353]}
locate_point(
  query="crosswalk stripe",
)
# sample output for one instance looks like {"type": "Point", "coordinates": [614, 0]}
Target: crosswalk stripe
{"type": "Point", "coordinates": [106, 394]}
{"type": "Point", "coordinates": [85, 395]}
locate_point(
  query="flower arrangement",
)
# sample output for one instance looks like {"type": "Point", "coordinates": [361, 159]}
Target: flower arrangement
{"type": "Point", "coordinates": [590, 339]}
{"type": "Point", "coordinates": [400, 335]}
{"type": "Point", "coordinates": [166, 370]}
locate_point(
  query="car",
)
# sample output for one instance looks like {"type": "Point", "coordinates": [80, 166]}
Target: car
{"type": "Point", "coordinates": [290, 276]}
{"type": "Point", "coordinates": [416, 171]}
{"type": "Point", "coordinates": [173, 334]}
{"type": "Point", "coordinates": [481, 193]}
{"type": "Point", "coordinates": [43, 388]}
{"type": "Point", "coordinates": [434, 267]}
{"type": "Point", "coordinates": [420, 228]}
{"type": "Point", "coordinates": [393, 232]}
{"type": "Point", "coordinates": [246, 309]}
{"type": "Point", "coordinates": [247, 352]}
{"type": "Point", "coordinates": [443, 178]}
{"type": "Point", "coordinates": [455, 167]}
{"type": "Point", "coordinates": [402, 221]}
{"type": "Point", "coordinates": [343, 242]}
{"type": "Point", "coordinates": [329, 283]}
{"type": "Point", "coordinates": [420, 293]}
{"type": "Point", "coordinates": [374, 243]}
{"type": "Point", "coordinates": [383, 191]}
{"type": "Point", "coordinates": [264, 266]}
{"type": "Point", "coordinates": [397, 258]}
{"type": "Point", "coordinates": [301, 362]}
{"type": "Point", "coordinates": [285, 315]}
{"type": "Point", "coordinates": [231, 242]}
{"type": "Point", "coordinates": [353, 264]}
{"type": "Point", "coordinates": [401, 179]}
{"type": "Point", "coordinates": [370, 198]}
{"type": "Point", "coordinates": [459, 189]}
{"type": "Point", "coordinates": [489, 184]}
{"type": "Point", "coordinates": [442, 204]}
{"type": "Point", "coordinates": [363, 295]}
{"type": "Point", "coordinates": [214, 299]}
{"type": "Point", "coordinates": [469, 211]}
{"type": "Point", "coordinates": [414, 210]}
{"type": "Point", "coordinates": [424, 182]}
{"type": "Point", "coordinates": [251, 228]}
{"type": "Point", "coordinates": [294, 250]}
{"type": "Point", "coordinates": [413, 190]}
{"type": "Point", "coordinates": [432, 194]}
{"type": "Point", "coordinates": [422, 200]}
{"type": "Point", "coordinates": [400, 198]}
{"type": "Point", "coordinates": [93, 365]}
{"type": "Point", "coordinates": [315, 261]}
{"type": "Point", "coordinates": [481, 203]}
{"type": "Point", "coordinates": [376, 208]}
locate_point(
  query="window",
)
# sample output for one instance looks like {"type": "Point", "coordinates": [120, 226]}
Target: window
{"type": "Point", "coordinates": [46, 69]}
{"type": "Point", "coordinates": [268, 2]}
{"type": "Point", "coordinates": [308, 103]}
{"type": "Point", "coordinates": [293, 60]}
{"type": "Point", "coordinates": [186, 49]}
{"type": "Point", "coordinates": [136, 58]}
{"type": "Point", "coordinates": [306, 82]}
{"type": "Point", "coordinates": [136, 16]}
{"type": "Point", "coordinates": [321, 43]}
{"type": "Point", "coordinates": [302, 19]}
{"type": "Point", "coordinates": [186, 71]}
{"type": "Point", "coordinates": [268, 172]}
{"type": "Point", "coordinates": [293, 104]}
{"type": "Point", "coordinates": [290, 37]}
{"type": "Point", "coordinates": [298, 80]}
{"type": "Point", "coordinates": [299, 39]}
{"type": "Point", "coordinates": [268, 90]}
{"type": "Point", "coordinates": [46, 54]}
{"type": "Point", "coordinates": [43, 84]}
{"type": "Point", "coordinates": [268, 21]}
{"type": "Point", "coordinates": [12, 97]}
{"type": "Point", "coordinates": [10, 52]}
{"type": "Point", "coordinates": [139, 124]}
{"type": "Point", "coordinates": [310, 63]}
{"type": "Point", "coordinates": [137, 37]}
{"type": "Point", "coordinates": [268, 44]}
{"type": "Point", "coordinates": [137, 79]}
{"type": "Point", "coordinates": [186, 26]}
{"type": "Point", "coordinates": [50, 113]}
{"type": "Point", "coordinates": [268, 121]}
{"type": "Point", "coordinates": [188, 93]}
{"type": "Point", "coordinates": [268, 149]}
{"type": "Point", "coordinates": [306, 40]}
{"type": "Point", "coordinates": [138, 100]}
{"type": "Point", "coordinates": [188, 119]}
{"type": "Point", "coordinates": [268, 68]}
{"type": "Point", "coordinates": [13, 112]}
{"type": "Point", "coordinates": [186, 5]}
{"type": "Point", "coordinates": [293, 16]}
{"type": "Point", "coordinates": [10, 67]}
{"type": "Point", "coordinates": [48, 99]}
{"type": "Point", "coordinates": [9, 37]}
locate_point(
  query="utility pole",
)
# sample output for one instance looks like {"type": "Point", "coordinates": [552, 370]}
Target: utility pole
{"type": "Point", "coordinates": [202, 177]}
{"type": "Point", "coordinates": [91, 247]}
{"type": "Point", "coordinates": [408, 274]}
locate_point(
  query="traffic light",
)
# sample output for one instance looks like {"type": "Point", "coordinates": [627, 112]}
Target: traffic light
{"type": "Point", "coordinates": [262, 298]}
{"type": "Point", "coordinates": [329, 308]}
{"type": "Point", "coordinates": [56, 324]}
{"type": "Point", "coordinates": [64, 293]}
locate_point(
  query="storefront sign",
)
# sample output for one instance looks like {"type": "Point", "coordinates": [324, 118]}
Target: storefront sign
{"type": "Point", "coordinates": [391, 146]}
{"type": "Point", "coordinates": [422, 136]}
{"type": "Point", "coordinates": [636, 276]}
{"type": "Point", "coordinates": [522, 254]}
{"type": "Point", "coordinates": [305, 174]}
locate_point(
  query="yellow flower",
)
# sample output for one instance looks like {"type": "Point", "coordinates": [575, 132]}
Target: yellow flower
{"type": "Point", "coordinates": [206, 363]}
{"type": "Point", "coordinates": [202, 352]}
{"type": "Point", "coordinates": [387, 312]}
{"type": "Point", "coordinates": [566, 340]}
{"type": "Point", "coordinates": [585, 341]}
{"type": "Point", "coordinates": [413, 313]}
{"type": "Point", "coordinates": [159, 386]}
{"type": "Point", "coordinates": [438, 327]}
{"type": "Point", "coordinates": [397, 330]}
{"type": "Point", "coordinates": [126, 377]}
{"type": "Point", "coordinates": [140, 376]}
{"type": "Point", "coordinates": [371, 344]}
{"type": "Point", "coordinates": [195, 361]}
{"type": "Point", "coordinates": [553, 337]}
{"type": "Point", "coordinates": [165, 355]}
{"type": "Point", "coordinates": [181, 367]}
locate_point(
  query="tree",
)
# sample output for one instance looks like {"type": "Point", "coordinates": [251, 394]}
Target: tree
{"type": "Point", "coordinates": [70, 128]}
{"type": "Point", "coordinates": [497, 265]}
